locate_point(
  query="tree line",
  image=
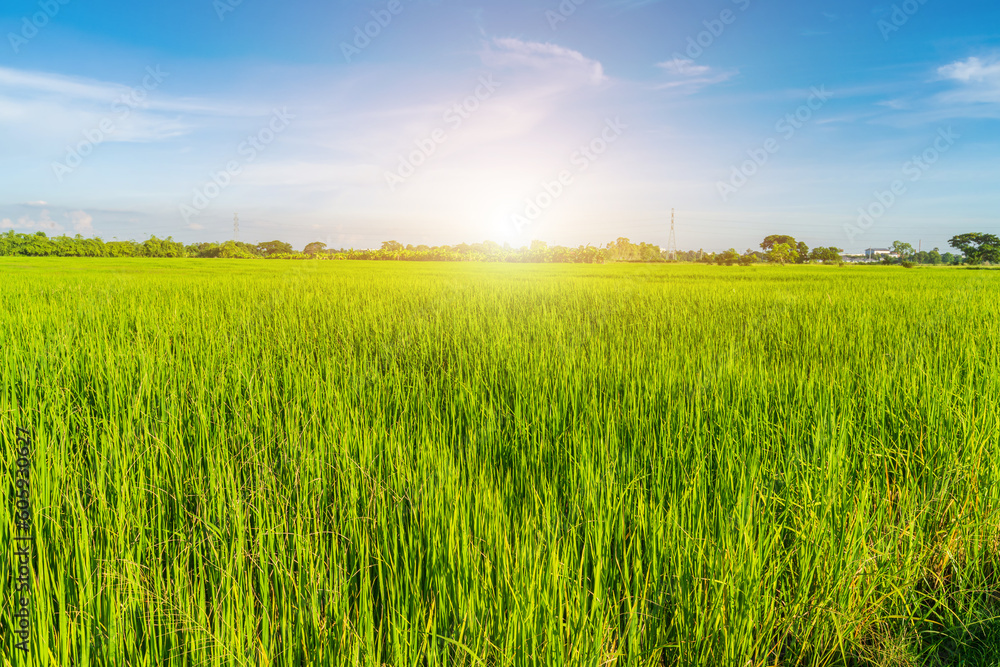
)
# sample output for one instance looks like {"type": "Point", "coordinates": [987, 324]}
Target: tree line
{"type": "Point", "coordinates": [974, 248]}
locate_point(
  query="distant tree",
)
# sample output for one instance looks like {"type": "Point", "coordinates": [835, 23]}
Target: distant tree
{"type": "Point", "coordinates": [561, 255]}
{"type": "Point", "coordinates": [491, 247]}
{"type": "Point", "coordinates": [202, 250]}
{"type": "Point", "coordinates": [802, 250]}
{"type": "Point", "coordinates": [269, 248]}
{"type": "Point", "coordinates": [588, 255]}
{"type": "Point", "coordinates": [123, 249]}
{"type": "Point", "coordinates": [233, 250]}
{"type": "Point", "coordinates": [749, 257]}
{"type": "Point", "coordinates": [251, 249]}
{"type": "Point", "coordinates": [622, 250]}
{"type": "Point", "coordinates": [39, 245]}
{"type": "Point", "coordinates": [314, 248]}
{"type": "Point", "coordinates": [775, 239]}
{"type": "Point", "coordinates": [826, 255]}
{"type": "Point", "coordinates": [927, 257]}
{"type": "Point", "coordinates": [977, 248]}
{"type": "Point", "coordinates": [904, 250]}
{"type": "Point", "coordinates": [392, 246]}
{"type": "Point", "coordinates": [154, 247]}
{"type": "Point", "coordinates": [647, 252]}
{"type": "Point", "coordinates": [728, 258]}
{"type": "Point", "coordinates": [782, 253]}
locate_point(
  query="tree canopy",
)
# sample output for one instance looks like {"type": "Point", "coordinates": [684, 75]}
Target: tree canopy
{"type": "Point", "coordinates": [782, 253]}
{"type": "Point", "coordinates": [977, 247]}
{"type": "Point", "coordinates": [774, 239]}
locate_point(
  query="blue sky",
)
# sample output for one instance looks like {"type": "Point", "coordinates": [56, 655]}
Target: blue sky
{"type": "Point", "coordinates": [842, 123]}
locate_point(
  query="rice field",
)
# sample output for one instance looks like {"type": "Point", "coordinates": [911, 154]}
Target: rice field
{"type": "Point", "coordinates": [352, 463]}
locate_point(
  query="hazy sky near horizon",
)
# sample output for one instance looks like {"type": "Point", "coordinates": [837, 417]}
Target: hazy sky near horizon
{"type": "Point", "coordinates": [572, 121]}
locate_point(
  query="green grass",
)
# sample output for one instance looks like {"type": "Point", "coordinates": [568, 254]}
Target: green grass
{"type": "Point", "coordinates": [377, 464]}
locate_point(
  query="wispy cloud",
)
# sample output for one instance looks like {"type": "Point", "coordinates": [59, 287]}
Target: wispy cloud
{"type": "Point", "coordinates": [42, 104]}
{"type": "Point", "coordinates": [975, 87]}
{"type": "Point", "coordinates": [968, 88]}
{"type": "Point", "coordinates": [552, 59]}
{"type": "Point", "coordinates": [688, 76]}
{"type": "Point", "coordinates": [12, 80]}
{"type": "Point", "coordinates": [31, 84]}
{"type": "Point", "coordinates": [979, 79]}
{"type": "Point", "coordinates": [625, 5]}
{"type": "Point", "coordinates": [43, 221]}
{"type": "Point", "coordinates": [80, 221]}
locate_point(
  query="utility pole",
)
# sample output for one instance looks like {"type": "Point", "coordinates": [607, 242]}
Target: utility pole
{"type": "Point", "coordinates": [672, 245]}
{"type": "Point", "coordinates": [236, 226]}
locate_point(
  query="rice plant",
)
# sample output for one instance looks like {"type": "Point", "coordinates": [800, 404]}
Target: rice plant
{"type": "Point", "coordinates": [361, 463]}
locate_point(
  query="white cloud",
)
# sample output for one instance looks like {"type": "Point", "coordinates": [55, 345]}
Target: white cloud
{"type": "Point", "coordinates": [550, 58]}
{"type": "Point", "coordinates": [65, 86]}
{"type": "Point", "coordinates": [82, 223]}
{"type": "Point", "coordinates": [26, 222]}
{"type": "Point", "coordinates": [61, 108]}
{"type": "Point", "coordinates": [688, 76]}
{"type": "Point", "coordinates": [977, 80]}
{"type": "Point", "coordinates": [25, 83]}
{"type": "Point", "coordinates": [973, 69]}
{"type": "Point", "coordinates": [685, 67]}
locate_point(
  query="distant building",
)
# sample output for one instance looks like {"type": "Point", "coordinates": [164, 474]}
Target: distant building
{"type": "Point", "coordinates": [873, 254]}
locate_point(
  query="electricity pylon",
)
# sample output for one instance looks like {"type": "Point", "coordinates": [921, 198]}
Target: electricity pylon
{"type": "Point", "coordinates": [672, 244]}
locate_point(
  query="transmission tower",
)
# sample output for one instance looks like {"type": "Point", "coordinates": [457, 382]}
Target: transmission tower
{"type": "Point", "coordinates": [672, 244]}
{"type": "Point", "coordinates": [236, 226]}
